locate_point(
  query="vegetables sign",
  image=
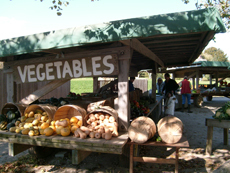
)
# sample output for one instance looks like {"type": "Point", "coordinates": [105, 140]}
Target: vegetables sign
{"type": "Point", "coordinates": [67, 69]}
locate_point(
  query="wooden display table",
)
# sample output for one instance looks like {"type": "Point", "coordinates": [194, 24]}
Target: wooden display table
{"type": "Point", "coordinates": [81, 148]}
{"type": "Point", "coordinates": [210, 123]}
{"type": "Point", "coordinates": [182, 143]}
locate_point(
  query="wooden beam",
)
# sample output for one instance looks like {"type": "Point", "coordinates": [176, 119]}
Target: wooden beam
{"type": "Point", "coordinates": [141, 48]}
{"type": "Point", "coordinates": [43, 91]}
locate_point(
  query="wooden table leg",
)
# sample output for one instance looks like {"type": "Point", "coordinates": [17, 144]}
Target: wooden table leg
{"type": "Point", "coordinates": [131, 159]}
{"type": "Point", "coordinates": [177, 157]}
{"type": "Point", "coordinates": [225, 136]}
{"type": "Point", "coordinates": [208, 149]}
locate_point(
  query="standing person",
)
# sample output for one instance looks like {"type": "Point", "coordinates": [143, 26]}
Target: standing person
{"type": "Point", "coordinates": [160, 85]}
{"type": "Point", "coordinates": [170, 104]}
{"type": "Point", "coordinates": [186, 93]}
{"type": "Point", "coordinates": [131, 87]}
{"type": "Point", "coordinates": [170, 85]}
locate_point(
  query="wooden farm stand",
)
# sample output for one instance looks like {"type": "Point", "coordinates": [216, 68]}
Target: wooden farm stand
{"type": "Point", "coordinates": [116, 49]}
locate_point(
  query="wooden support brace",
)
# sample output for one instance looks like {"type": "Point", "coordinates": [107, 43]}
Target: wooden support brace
{"type": "Point", "coordinates": [15, 149]}
{"type": "Point", "coordinates": [79, 155]}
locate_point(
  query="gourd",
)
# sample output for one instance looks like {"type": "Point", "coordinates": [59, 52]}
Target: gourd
{"type": "Point", "coordinates": [10, 125]}
{"type": "Point", "coordinates": [108, 134]}
{"type": "Point", "coordinates": [12, 129]}
{"type": "Point", "coordinates": [25, 131]}
{"type": "Point", "coordinates": [48, 131]}
{"type": "Point", "coordinates": [85, 129]}
{"type": "Point", "coordinates": [58, 130]}
{"type": "Point", "coordinates": [31, 133]}
{"type": "Point", "coordinates": [73, 120]}
{"type": "Point", "coordinates": [92, 134]}
{"type": "Point", "coordinates": [3, 117]}
{"type": "Point", "coordinates": [74, 128]}
{"type": "Point", "coordinates": [98, 135]}
{"type": "Point", "coordinates": [76, 134]}
{"type": "Point", "coordinates": [3, 125]}
{"type": "Point", "coordinates": [63, 123]}
{"type": "Point", "coordinates": [65, 132]}
{"type": "Point", "coordinates": [44, 125]}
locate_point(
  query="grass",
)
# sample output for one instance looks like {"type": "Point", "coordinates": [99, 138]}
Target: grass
{"type": "Point", "coordinates": [81, 85]}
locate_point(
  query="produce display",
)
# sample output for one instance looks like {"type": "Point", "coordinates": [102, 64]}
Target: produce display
{"type": "Point", "coordinates": [140, 108]}
{"type": "Point", "coordinates": [8, 120]}
{"type": "Point", "coordinates": [223, 113]}
{"type": "Point", "coordinates": [99, 125]}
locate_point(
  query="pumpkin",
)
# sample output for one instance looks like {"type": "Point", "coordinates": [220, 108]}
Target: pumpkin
{"type": "Point", "coordinates": [65, 131]}
{"type": "Point", "coordinates": [10, 125]}
{"type": "Point", "coordinates": [48, 131]}
{"type": "Point", "coordinates": [2, 118]}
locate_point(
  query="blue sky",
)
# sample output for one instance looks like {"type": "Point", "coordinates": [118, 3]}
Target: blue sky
{"type": "Point", "coordinates": [25, 17]}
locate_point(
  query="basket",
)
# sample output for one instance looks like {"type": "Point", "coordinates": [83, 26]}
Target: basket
{"type": "Point", "coordinates": [104, 109]}
{"type": "Point", "coordinates": [69, 111]}
{"type": "Point", "coordinates": [49, 109]}
{"type": "Point", "coordinates": [14, 107]}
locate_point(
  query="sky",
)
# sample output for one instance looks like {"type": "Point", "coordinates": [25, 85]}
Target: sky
{"type": "Point", "coordinates": [26, 17]}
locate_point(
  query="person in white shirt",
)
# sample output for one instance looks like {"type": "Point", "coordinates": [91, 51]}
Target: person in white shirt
{"type": "Point", "coordinates": [170, 104]}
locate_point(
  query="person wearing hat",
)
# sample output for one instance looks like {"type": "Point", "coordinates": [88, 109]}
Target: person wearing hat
{"type": "Point", "coordinates": [186, 93]}
{"type": "Point", "coordinates": [160, 85]}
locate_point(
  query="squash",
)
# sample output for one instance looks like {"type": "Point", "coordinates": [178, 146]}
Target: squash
{"type": "Point", "coordinates": [52, 123]}
{"type": "Point", "coordinates": [18, 130]}
{"type": "Point", "coordinates": [31, 114]}
{"type": "Point", "coordinates": [41, 131]}
{"type": "Point", "coordinates": [3, 125]}
{"type": "Point", "coordinates": [73, 120]}
{"type": "Point", "coordinates": [63, 123]}
{"type": "Point", "coordinates": [17, 123]}
{"type": "Point", "coordinates": [12, 129]}
{"type": "Point", "coordinates": [53, 127]}
{"type": "Point", "coordinates": [25, 131]}
{"type": "Point", "coordinates": [79, 123]}
{"type": "Point", "coordinates": [3, 118]}
{"type": "Point", "coordinates": [92, 134]}
{"type": "Point", "coordinates": [23, 118]}
{"type": "Point", "coordinates": [44, 118]}
{"type": "Point", "coordinates": [44, 125]}
{"type": "Point", "coordinates": [36, 132]}
{"type": "Point", "coordinates": [81, 133]}
{"type": "Point", "coordinates": [38, 111]}
{"type": "Point", "coordinates": [58, 130]}
{"type": "Point", "coordinates": [97, 135]}
{"type": "Point", "coordinates": [76, 134]}
{"type": "Point", "coordinates": [29, 120]}
{"type": "Point", "coordinates": [35, 122]}
{"type": "Point", "coordinates": [31, 133]}
{"type": "Point", "coordinates": [10, 125]}
{"type": "Point", "coordinates": [74, 128]}
{"type": "Point", "coordinates": [65, 132]}
{"type": "Point", "coordinates": [48, 131]}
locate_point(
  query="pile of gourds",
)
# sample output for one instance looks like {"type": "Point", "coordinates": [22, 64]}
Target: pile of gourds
{"type": "Point", "coordinates": [38, 122]}
{"type": "Point", "coordinates": [99, 125]}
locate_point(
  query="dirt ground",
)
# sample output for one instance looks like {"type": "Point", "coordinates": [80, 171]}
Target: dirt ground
{"type": "Point", "coordinates": [192, 159]}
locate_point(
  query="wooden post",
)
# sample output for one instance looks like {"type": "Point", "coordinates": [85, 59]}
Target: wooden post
{"type": "Point", "coordinates": [10, 87]}
{"type": "Point", "coordinates": [217, 76]}
{"type": "Point", "coordinates": [210, 79]}
{"type": "Point", "coordinates": [209, 140]}
{"type": "Point", "coordinates": [193, 83]}
{"type": "Point", "coordinates": [122, 106]}
{"type": "Point", "coordinates": [95, 84]}
{"type": "Point", "coordinates": [154, 74]}
{"type": "Point", "coordinates": [197, 79]}
{"type": "Point", "coordinates": [79, 155]}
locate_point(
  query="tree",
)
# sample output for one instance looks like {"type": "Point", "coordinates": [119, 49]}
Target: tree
{"type": "Point", "coordinates": [214, 54]}
{"type": "Point", "coordinates": [222, 5]}
{"type": "Point", "coordinates": [57, 5]}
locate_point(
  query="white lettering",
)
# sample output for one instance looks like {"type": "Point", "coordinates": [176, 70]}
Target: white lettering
{"type": "Point", "coordinates": [66, 69]}
{"type": "Point", "coordinates": [30, 73]}
{"type": "Point", "coordinates": [48, 71]}
{"type": "Point", "coordinates": [22, 75]}
{"type": "Point", "coordinates": [96, 65]}
{"type": "Point", "coordinates": [85, 73]}
{"type": "Point", "coordinates": [58, 64]}
{"type": "Point", "coordinates": [77, 67]}
{"type": "Point", "coordinates": [40, 76]}
{"type": "Point", "coordinates": [105, 62]}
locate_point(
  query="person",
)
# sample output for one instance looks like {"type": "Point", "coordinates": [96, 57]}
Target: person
{"type": "Point", "coordinates": [131, 87]}
{"type": "Point", "coordinates": [170, 104]}
{"type": "Point", "coordinates": [170, 85]}
{"type": "Point", "coordinates": [160, 85]}
{"type": "Point", "coordinates": [186, 93]}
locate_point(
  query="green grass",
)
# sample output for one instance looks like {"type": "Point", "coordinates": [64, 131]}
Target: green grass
{"type": "Point", "coordinates": [81, 85]}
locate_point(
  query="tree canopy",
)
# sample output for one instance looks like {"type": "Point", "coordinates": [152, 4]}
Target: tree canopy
{"type": "Point", "coordinates": [214, 54]}
{"type": "Point", "coordinates": [222, 5]}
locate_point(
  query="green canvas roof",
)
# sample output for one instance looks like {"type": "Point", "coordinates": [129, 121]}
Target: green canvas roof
{"type": "Point", "coordinates": [212, 64]}
{"type": "Point", "coordinates": [175, 38]}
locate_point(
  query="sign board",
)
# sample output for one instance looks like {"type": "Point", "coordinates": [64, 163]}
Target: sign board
{"type": "Point", "coordinates": [105, 65]}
